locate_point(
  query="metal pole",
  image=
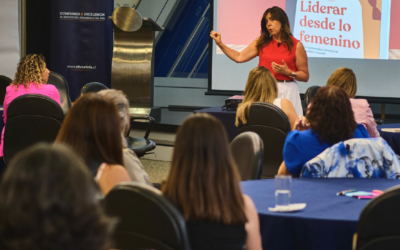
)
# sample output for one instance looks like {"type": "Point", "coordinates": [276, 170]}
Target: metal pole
{"type": "Point", "coordinates": [23, 27]}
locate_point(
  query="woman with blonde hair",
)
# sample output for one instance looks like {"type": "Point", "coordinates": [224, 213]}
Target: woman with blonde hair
{"type": "Point", "coordinates": [31, 78]}
{"type": "Point", "coordinates": [345, 79]}
{"type": "Point", "coordinates": [131, 161]}
{"type": "Point", "coordinates": [261, 87]}
{"type": "Point", "coordinates": [204, 185]}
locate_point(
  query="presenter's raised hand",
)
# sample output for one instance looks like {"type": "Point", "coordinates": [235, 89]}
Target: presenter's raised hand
{"type": "Point", "coordinates": [281, 69]}
{"type": "Point", "coordinates": [216, 36]}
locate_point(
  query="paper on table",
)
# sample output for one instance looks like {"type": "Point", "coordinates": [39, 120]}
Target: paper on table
{"type": "Point", "coordinates": [393, 130]}
{"type": "Point", "coordinates": [290, 208]}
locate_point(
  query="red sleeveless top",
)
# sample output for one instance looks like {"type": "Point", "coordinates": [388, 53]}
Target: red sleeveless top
{"type": "Point", "coordinates": [273, 53]}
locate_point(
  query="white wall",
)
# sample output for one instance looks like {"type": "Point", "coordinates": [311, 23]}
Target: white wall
{"type": "Point", "coordinates": [9, 38]}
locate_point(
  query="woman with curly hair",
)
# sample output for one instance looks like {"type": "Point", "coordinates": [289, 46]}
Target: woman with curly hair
{"type": "Point", "coordinates": [49, 200]}
{"type": "Point", "coordinates": [261, 87]}
{"type": "Point", "coordinates": [31, 78]}
{"type": "Point", "coordinates": [329, 120]}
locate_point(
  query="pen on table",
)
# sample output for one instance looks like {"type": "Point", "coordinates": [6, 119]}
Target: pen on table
{"type": "Point", "coordinates": [345, 191]}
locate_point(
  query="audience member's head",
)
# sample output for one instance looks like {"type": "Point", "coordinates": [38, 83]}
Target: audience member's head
{"type": "Point", "coordinates": [48, 200]}
{"type": "Point", "coordinates": [330, 115]}
{"type": "Point", "coordinates": [31, 68]}
{"type": "Point", "coordinates": [260, 87]}
{"type": "Point", "coordinates": [91, 128]}
{"type": "Point", "coordinates": [203, 181]}
{"type": "Point", "coordinates": [345, 79]}
{"type": "Point", "coordinates": [119, 99]}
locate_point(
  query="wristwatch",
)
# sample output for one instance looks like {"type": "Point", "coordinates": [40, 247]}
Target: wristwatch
{"type": "Point", "coordinates": [293, 74]}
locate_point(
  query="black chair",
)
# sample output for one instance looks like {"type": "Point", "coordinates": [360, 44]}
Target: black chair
{"type": "Point", "coordinates": [310, 93]}
{"type": "Point", "coordinates": [147, 220]}
{"type": "Point", "coordinates": [141, 145]}
{"type": "Point", "coordinates": [378, 227]}
{"type": "Point", "coordinates": [248, 151]}
{"type": "Point", "coordinates": [62, 86]}
{"type": "Point", "coordinates": [92, 87]}
{"type": "Point", "coordinates": [4, 83]}
{"type": "Point", "coordinates": [30, 119]}
{"type": "Point", "coordinates": [272, 125]}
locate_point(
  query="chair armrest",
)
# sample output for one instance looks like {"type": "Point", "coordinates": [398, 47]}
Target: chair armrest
{"type": "Point", "coordinates": [149, 128]}
{"type": "Point", "coordinates": [379, 121]}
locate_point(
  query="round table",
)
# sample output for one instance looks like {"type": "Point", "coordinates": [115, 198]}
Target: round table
{"type": "Point", "coordinates": [393, 139]}
{"type": "Point", "coordinates": [328, 221]}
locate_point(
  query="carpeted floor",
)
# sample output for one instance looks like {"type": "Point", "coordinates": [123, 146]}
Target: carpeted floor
{"type": "Point", "coordinates": [157, 170]}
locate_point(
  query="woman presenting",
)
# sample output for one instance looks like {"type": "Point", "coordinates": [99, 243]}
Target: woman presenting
{"type": "Point", "coordinates": [278, 51]}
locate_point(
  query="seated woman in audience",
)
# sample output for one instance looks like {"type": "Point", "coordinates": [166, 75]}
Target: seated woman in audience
{"type": "Point", "coordinates": [131, 161]}
{"type": "Point", "coordinates": [31, 78]}
{"type": "Point", "coordinates": [48, 200]}
{"type": "Point", "coordinates": [329, 120]}
{"type": "Point", "coordinates": [204, 185]}
{"type": "Point", "coordinates": [345, 79]}
{"type": "Point", "coordinates": [261, 87]}
{"type": "Point", "coordinates": [91, 127]}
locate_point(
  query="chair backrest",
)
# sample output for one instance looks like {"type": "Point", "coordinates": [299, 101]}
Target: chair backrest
{"type": "Point", "coordinates": [62, 86]}
{"type": "Point", "coordinates": [4, 82]}
{"type": "Point", "coordinates": [310, 93]}
{"type": "Point", "coordinates": [147, 220]}
{"type": "Point", "coordinates": [248, 151]}
{"type": "Point", "coordinates": [378, 226]}
{"type": "Point", "coordinates": [272, 125]}
{"type": "Point", "coordinates": [355, 158]}
{"type": "Point", "coordinates": [30, 119]}
{"type": "Point", "coordinates": [92, 87]}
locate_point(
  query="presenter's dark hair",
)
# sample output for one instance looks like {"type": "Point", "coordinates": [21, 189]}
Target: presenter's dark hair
{"type": "Point", "coordinates": [91, 127]}
{"type": "Point", "coordinates": [49, 200]}
{"type": "Point", "coordinates": [203, 181]}
{"type": "Point", "coordinates": [279, 15]}
{"type": "Point", "coordinates": [331, 116]}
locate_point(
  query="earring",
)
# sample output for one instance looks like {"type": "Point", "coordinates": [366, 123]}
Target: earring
{"type": "Point", "coordinates": [270, 35]}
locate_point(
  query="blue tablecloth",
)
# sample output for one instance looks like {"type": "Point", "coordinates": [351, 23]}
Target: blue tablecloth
{"type": "Point", "coordinates": [393, 139]}
{"type": "Point", "coordinates": [226, 117]}
{"type": "Point", "coordinates": [328, 222]}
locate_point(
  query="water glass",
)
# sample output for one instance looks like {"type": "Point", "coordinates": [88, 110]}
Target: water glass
{"type": "Point", "coordinates": [282, 190]}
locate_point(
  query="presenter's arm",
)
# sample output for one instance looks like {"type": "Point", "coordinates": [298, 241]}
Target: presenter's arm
{"type": "Point", "coordinates": [301, 64]}
{"type": "Point", "coordinates": [247, 54]}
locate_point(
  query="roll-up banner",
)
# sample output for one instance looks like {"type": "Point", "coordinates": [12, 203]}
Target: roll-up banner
{"type": "Point", "coordinates": [9, 38]}
{"type": "Point", "coordinates": [81, 42]}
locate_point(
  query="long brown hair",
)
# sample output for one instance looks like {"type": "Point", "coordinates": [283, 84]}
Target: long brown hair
{"type": "Point", "coordinates": [203, 181]}
{"type": "Point", "coordinates": [280, 15]}
{"type": "Point", "coordinates": [30, 69]}
{"type": "Point", "coordinates": [331, 116]}
{"type": "Point", "coordinates": [345, 79]}
{"type": "Point", "coordinates": [91, 127]}
{"type": "Point", "coordinates": [260, 87]}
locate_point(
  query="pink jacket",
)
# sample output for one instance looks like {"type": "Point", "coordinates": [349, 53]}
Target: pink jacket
{"type": "Point", "coordinates": [363, 115]}
{"type": "Point", "coordinates": [43, 89]}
